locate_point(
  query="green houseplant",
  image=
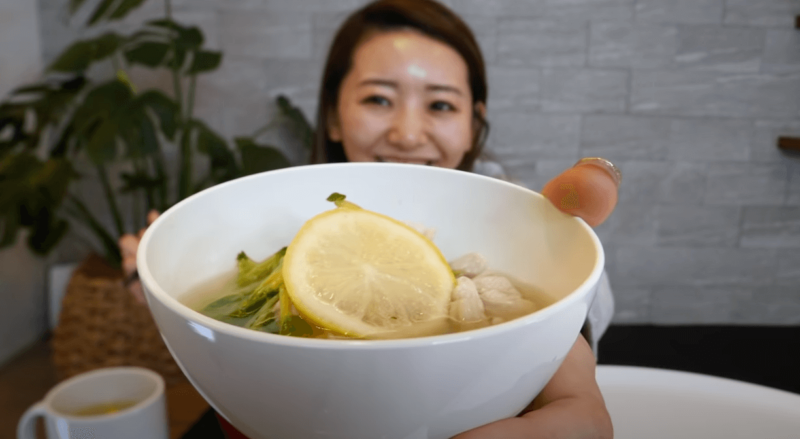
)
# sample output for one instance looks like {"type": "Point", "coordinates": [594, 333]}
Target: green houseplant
{"type": "Point", "coordinates": [47, 126]}
{"type": "Point", "coordinates": [70, 121]}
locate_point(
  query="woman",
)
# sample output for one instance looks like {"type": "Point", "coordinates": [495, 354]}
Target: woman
{"type": "Point", "coordinates": [405, 82]}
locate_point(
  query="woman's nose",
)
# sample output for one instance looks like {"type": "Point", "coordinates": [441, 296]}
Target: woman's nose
{"type": "Point", "coordinates": [408, 129]}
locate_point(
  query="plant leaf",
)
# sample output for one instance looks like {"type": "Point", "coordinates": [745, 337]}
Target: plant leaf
{"type": "Point", "coordinates": [148, 53]}
{"type": "Point", "coordinates": [223, 162]}
{"type": "Point", "coordinates": [189, 38]}
{"type": "Point", "coordinates": [81, 54]}
{"type": "Point", "coordinates": [99, 104]}
{"type": "Point", "coordinates": [77, 209]}
{"type": "Point", "coordinates": [139, 180]}
{"type": "Point", "coordinates": [177, 59]}
{"type": "Point", "coordinates": [66, 139]}
{"type": "Point", "coordinates": [30, 192]}
{"type": "Point", "coordinates": [205, 61]}
{"type": "Point", "coordinates": [46, 232]}
{"type": "Point", "coordinates": [32, 88]}
{"type": "Point", "coordinates": [298, 123]}
{"type": "Point", "coordinates": [257, 158]}
{"type": "Point", "coordinates": [165, 109]}
{"type": "Point", "coordinates": [12, 120]}
{"type": "Point", "coordinates": [53, 178]}
{"type": "Point", "coordinates": [100, 11]}
{"type": "Point", "coordinates": [74, 84]}
{"type": "Point", "coordinates": [165, 23]}
{"type": "Point", "coordinates": [56, 103]}
{"type": "Point", "coordinates": [32, 110]}
{"type": "Point", "coordinates": [74, 5]}
{"type": "Point", "coordinates": [97, 120]}
{"type": "Point", "coordinates": [137, 131]}
{"type": "Point", "coordinates": [9, 223]}
{"type": "Point", "coordinates": [101, 145]}
{"type": "Point", "coordinates": [124, 8]}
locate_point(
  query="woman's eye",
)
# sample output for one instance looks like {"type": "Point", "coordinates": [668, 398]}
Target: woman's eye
{"type": "Point", "coordinates": [377, 100]}
{"type": "Point", "coordinates": [442, 106]}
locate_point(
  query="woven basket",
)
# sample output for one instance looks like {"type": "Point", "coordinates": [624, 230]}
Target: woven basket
{"type": "Point", "coordinates": [102, 325]}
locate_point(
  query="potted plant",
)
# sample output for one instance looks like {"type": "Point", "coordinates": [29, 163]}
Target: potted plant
{"type": "Point", "coordinates": [120, 134]}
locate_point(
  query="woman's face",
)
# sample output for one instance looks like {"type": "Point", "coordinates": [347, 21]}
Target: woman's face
{"type": "Point", "coordinates": [406, 99]}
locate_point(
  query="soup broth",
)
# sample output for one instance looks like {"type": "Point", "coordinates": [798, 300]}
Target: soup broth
{"type": "Point", "coordinates": [358, 273]}
{"type": "Point", "coordinates": [216, 300]}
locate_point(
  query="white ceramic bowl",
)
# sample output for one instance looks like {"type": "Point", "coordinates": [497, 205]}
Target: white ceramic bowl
{"type": "Point", "coordinates": [272, 386]}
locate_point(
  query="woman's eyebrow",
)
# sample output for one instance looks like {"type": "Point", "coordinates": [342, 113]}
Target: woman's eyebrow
{"type": "Point", "coordinates": [394, 84]}
{"type": "Point", "coordinates": [443, 87]}
{"type": "Point", "coordinates": [382, 82]}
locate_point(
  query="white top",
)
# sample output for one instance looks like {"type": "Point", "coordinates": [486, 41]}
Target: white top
{"type": "Point", "coordinates": [602, 308]}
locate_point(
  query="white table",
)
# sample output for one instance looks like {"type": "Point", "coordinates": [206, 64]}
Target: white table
{"type": "Point", "coordinates": [647, 403]}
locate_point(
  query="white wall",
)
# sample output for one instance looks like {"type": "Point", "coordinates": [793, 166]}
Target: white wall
{"type": "Point", "coordinates": [22, 275]}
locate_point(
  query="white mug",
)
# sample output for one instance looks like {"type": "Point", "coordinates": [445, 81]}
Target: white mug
{"type": "Point", "coordinates": [109, 403]}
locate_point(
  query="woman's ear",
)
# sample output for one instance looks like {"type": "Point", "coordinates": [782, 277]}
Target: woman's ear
{"type": "Point", "coordinates": [478, 117]}
{"type": "Point", "coordinates": [480, 109]}
{"type": "Point", "coordinates": [334, 127]}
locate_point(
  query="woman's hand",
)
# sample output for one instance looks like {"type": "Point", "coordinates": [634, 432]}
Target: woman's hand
{"type": "Point", "coordinates": [128, 246]}
{"type": "Point", "coordinates": [587, 190]}
{"type": "Point", "coordinates": [569, 407]}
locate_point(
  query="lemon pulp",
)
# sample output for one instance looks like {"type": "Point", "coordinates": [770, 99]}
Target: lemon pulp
{"type": "Point", "coordinates": [363, 274]}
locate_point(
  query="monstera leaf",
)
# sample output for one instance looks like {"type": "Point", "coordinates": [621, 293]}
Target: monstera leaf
{"type": "Point", "coordinates": [259, 158]}
{"type": "Point", "coordinates": [31, 190]}
{"type": "Point", "coordinates": [165, 43]}
{"type": "Point", "coordinates": [30, 110]}
{"type": "Point", "coordinates": [107, 9]}
{"type": "Point", "coordinates": [81, 54]}
{"type": "Point", "coordinates": [120, 130]}
{"type": "Point", "coordinates": [296, 121]}
{"type": "Point", "coordinates": [222, 161]}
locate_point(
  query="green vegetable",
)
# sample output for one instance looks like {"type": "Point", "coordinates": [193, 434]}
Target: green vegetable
{"type": "Point", "coordinates": [271, 326]}
{"type": "Point", "coordinates": [249, 307]}
{"type": "Point", "coordinates": [336, 197]}
{"type": "Point", "coordinates": [265, 315]}
{"type": "Point", "coordinates": [227, 300]}
{"type": "Point", "coordinates": [221, 309]}
{"type": "Point", "coordinates": [295, 326]}
{"type": "Point", "coordinates": [340, 201]}
{"type": "Point", "coordinates": [250, 271]}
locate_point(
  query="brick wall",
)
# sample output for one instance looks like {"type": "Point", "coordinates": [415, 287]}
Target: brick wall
{"type": "Point", "coordinates": [687, 96]}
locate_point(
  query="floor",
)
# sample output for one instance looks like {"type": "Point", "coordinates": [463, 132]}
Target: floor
{"type": "Point", "coordinates": [760, 355]}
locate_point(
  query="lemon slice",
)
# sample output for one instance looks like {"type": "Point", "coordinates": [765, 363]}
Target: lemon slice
{"type": "Point", "coordinates": [363, 274]}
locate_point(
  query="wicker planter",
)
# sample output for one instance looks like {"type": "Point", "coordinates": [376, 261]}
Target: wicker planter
{"type": "Point", "coordinates": [101, 324]}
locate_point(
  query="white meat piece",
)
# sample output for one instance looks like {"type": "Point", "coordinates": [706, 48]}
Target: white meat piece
{"type": "Point", "coordinates": [428, 232]}
{"type": "Point", "coordinates": [470, 265]}
{"type": "Point", "coordinates": [465, 289]}
{"type": "Point", "coordinates": [497, 283]}
{"type": "Point", "coordinates": [500, 304]}
{"type": "Point", "coordinates": [467, 305]}
{"type": "Point", "coordinates": [497, 320]}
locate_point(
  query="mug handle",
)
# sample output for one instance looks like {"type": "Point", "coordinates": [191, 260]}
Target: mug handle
{"type": "Point", "coordinates": [26, 428]}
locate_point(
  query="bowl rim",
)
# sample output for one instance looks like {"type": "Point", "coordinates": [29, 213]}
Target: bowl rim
{"type": "Point", "coordinates": [153, 290]}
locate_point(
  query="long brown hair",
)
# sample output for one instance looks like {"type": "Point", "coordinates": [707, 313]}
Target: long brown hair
{"type": "Point", "coordinates": [426, 16]}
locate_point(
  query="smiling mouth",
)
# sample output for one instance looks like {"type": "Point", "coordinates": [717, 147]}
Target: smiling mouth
{"type": "Point", "coordinates": [425, 162]}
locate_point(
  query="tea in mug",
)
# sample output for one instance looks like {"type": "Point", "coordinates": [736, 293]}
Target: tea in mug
{"type": "Point", "coordinates": [105, 408]}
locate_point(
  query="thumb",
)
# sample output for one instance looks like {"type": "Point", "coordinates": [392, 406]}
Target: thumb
{"type": "Point", "coordinates": [586, 191]}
